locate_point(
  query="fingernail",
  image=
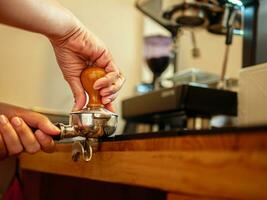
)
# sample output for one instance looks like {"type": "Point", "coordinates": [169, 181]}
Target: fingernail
{"type": "Point", "coordinates": [106, 101]}
{"type": "Point", "coordinates": [55, 128]}
{"type": "Point", "coordinates": [3, 119]}
{"type": "Point", "coordinates": [16, 121]}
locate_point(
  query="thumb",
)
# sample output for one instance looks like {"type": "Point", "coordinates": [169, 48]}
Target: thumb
{"type": "Point", "coordinates": [45, 125]}
{"type": "Point", "coordinates": [39, 121]}
{"type": "Point", "coordinates": [78, 93]}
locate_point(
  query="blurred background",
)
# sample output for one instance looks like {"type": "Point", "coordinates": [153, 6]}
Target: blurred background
{"type": "Point", "coordinates": [30, 76]}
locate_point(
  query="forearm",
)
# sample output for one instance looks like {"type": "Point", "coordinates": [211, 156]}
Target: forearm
{"type": "Point", "coordinates": [47, 17]}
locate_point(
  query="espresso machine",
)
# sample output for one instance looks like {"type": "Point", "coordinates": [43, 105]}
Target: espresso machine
{"type": "Point", "coordinates": [188, 106]}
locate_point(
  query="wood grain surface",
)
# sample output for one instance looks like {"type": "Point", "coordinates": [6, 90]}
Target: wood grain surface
{"type": "Point", "coordinates": [223, 166]}
{"type": "Point", "coordinates": [174, 196]}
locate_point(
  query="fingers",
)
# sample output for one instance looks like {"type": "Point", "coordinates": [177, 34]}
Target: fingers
{"type": "Point", "coordinates": [38, 121]}
{"type": "Point", "coordinates": [111, 78]}
{"type": "Point", "coordinates": [10, 136]}
{"type": "Point", "coordinates": [82, 49]}
{"type": "Point", "coordinates": [110, 85]}
{"type": "Point", "coordinates": [46, 128]}
{"type": "Point", "coordinates": [112, 82]}
{"type": "Point", "coordinates": [26, 136]}
{"type": "Point", "coordinates": [46, 142]}
{"type": "Point", "coordinates": [111, 89]}
{"type": "Point", "coordinates": [108, 99]}
{"type": "Point", "coordinates": [16, 136]}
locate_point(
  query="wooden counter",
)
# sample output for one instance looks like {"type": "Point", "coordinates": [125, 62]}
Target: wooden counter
{"type": "Point", "coordinates": [213, 165]}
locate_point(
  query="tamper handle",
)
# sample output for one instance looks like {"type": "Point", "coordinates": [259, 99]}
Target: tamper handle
{"type": "Point", "coordinates": [88, 78]}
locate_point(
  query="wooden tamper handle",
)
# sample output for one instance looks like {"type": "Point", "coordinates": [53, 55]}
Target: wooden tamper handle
{"type": "Point", "coordinates": [88, 78]}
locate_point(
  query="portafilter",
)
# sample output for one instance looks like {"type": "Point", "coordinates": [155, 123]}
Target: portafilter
{"type": "Point", "coordinates": [90, 123]}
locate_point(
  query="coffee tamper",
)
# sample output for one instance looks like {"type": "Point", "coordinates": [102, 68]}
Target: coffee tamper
{"type": "Point", "coordinates": [86, 126]}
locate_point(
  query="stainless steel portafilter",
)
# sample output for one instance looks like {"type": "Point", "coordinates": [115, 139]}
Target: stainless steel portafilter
{"type": "Point", "coordinates": [90, 123]}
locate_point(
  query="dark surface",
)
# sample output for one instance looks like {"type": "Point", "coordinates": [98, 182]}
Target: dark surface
{"type": "Point", "coordinates": [250, 35]}
{"type": "Point", "coordinates": [181, 133]}
{"type": "Point", "coordinates": [255, 30]}
{"type": "Point", "coordinates": [44, 186]}
{"type": "Point", "coordinates": [180, 100]}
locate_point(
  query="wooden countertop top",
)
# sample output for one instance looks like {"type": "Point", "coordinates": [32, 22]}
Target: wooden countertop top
{"type": "Point", "coordinates": [223, 164]}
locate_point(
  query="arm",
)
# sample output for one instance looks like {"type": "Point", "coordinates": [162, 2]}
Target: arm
{"type": "Point", "coordinates": [41, 16]}
{"type": "Point", "coordinates": [75, 47]}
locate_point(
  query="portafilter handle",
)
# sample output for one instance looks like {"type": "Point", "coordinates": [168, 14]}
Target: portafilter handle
{"type": "Point", "coordinates": [88, 77]}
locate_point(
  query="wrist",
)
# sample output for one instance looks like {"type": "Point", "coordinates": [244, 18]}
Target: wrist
{"type": "Point", "coordinates": [67, 26]}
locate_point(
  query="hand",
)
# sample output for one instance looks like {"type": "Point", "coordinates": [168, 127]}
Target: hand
{"type": "Point", "coordinates": [75, 47]}
{"type": "Point", "coordinates": [80, 49]}
{"type": "Point", "coordinates": [16, 136]}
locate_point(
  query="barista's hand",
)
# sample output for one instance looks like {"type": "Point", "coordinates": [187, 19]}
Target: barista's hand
{"type": "Point", "coordinates": [16, 136]}
{"type": "Point", "coordinates": [80, 49]}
